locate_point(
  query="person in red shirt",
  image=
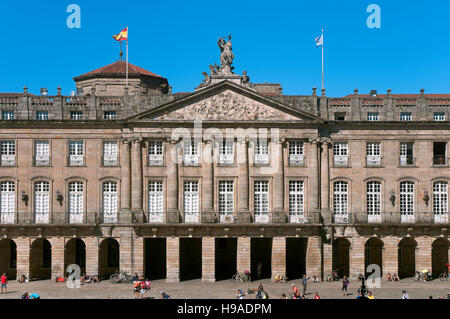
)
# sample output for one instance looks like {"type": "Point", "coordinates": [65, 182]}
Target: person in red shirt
{"type": "Point", "coordinates": [4, 282]}
{"type": "Point", "coordinates": [316, 295]}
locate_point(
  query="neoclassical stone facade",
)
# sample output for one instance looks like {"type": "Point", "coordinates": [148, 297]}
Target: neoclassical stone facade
{"type": "Point", "coordinates": [204, 184]}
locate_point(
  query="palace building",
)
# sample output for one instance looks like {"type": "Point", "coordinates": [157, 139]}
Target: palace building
{"type": "Point", "coordinates": [201, 185]}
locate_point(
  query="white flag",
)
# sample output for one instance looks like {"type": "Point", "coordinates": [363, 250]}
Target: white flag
{"type": "Point", "coordinates": [319, 40]}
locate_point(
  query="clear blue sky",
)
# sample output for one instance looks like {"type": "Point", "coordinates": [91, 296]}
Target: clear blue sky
{"type": "Point", "coordinates": [272, 40]}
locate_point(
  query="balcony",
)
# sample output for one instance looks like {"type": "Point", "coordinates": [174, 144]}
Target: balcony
{"type": "Point", "coordinates": [296, 160]}
{"type": "Point", "coordinates": [110, 161]}
{"type": "Point", "coordinates": [340, 161]}
{"type": "Point", "coordinates": [407, 160]}
{"type": "Point", "coordinates": [299, 219]}
{"type": "Point", "coordinates": [395, 218]}
{"type": "Point", "coordinates": [342, 219]}
{"type": "Point", "coordinates": [191, 218]}
{"type": "Point", "coordinates": [156, 160]}
{"type": "Point", "coordinates": [191, 160]}
{"type": "Point", "coordinates": [226, 159]}
{"type": "Point", "coordinates": [440, 160]}
{"type": "Point", "coordinates": [8, 160]}
{"type": "Point", "coordinates": [41, 160]}
{"type": "Point", "coordinates": [262, 218]}
{"type": "Point", "coordinates": [76, 160]}
{"type": "Point", "coordinates": [156, 217]}
{"type": "Point", "coordinates": [226, 218]}
{"type": "Point", "coordinates": [261, 159]}
{"type": "Point", "coordinates": [373, 161]}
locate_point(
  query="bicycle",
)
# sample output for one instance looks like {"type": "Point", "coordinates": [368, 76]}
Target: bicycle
{"type": "Point", "coordinates": [121, 277]}
{"type": "Point", "coordinates": [239, 277]}
{"type": "Point", "coordinates": [444, 276]}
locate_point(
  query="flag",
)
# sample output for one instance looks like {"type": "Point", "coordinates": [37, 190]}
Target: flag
{"type": "Point", "coordinates": [319, 40]}
{"type": "Point", "coordinates": [122, 36]}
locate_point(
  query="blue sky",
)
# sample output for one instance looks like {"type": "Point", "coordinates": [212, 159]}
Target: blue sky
{"type": "Point", "coordinates": [272, 40]}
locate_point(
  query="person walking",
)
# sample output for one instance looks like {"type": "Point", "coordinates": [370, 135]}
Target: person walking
{"type": "Point", "coordinates": [4, 282]}
{"type": "Point", "coordinates": [345, 284]}
{"type": "Point", "coordinates": [304, 283]}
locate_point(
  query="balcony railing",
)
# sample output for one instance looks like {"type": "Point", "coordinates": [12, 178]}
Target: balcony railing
{"type": "Point", "coordinates": [226, 218]}
{"type": "Point", "coordinates": [395, 218]}
{"type": "Point", "coordinates": [407, 160]}
{"type": "Point", "coordinates": [262, 218]}
{"type": "Point", "coordinates": [42, 160]}
{"type": "Point", "coordinates": [440, 160]}
{"type": "Point", "coordinates": [155, 160]}
{"type": "Point", "coordinates": [296, 160]}
{"type": "Point", "coordinates": [226, 159]}
{"type": "Point", "coordinates": [75, 160]}
{"type": "Point", "coordinates": [156, 217]}
{"type": "Point", "coordinates": [191, 160]}
{"type": "Point", "coordinates": [340, 161]}
{"type": "Point", "coordinates": [192, 217]}
{"type": "Point", "coordinates": [110, 161]}
{"type": "Point", "coordinates": [373, 160]}
{"type": "Point", "coordinates": [33, 218]}
{"type": "Point", "coordinates": [261, 159]}
{"type": "Point", "coordinates": [8, 160]}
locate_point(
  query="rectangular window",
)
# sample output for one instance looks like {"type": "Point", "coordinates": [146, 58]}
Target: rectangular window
{"type": "Point", "coordinates": [76, 202]}
{"type": "Point", "coordinates": [296, 201]}
{"type": "Point", "coordinates": [296, 153]}
{"type": "Point", "coordinates": [109, 115]}
{"type": "Point", "coordinates": [373, 154]}
{"type": "Point", "coordinates": [7, 202]}
{"type": "Point", "coordinates": [373, 199]}
{"type": "Point", "coordinates": [155, 153]}
{"type": "Point", "coordinates": [406, 154]}
{"type": "Point", "coordinates": [8, 153]}
{"type": "Point", "coordinates": [372, 116]}
{"type": "Point", "coordinates": [42, 202]}
{"type": "Point", "coordinates": [76, 115]}
{"type": "Point", "coordinates": [261, 152]}
{"type": "Point", "coordinates": [440, 198]}
{"type": "Point", "coordinates": [110, 202]}
{"type": "Point", "coordinates": [406, 117]}
{"type": "Point", "coordinates": [110, 153]}
{"type": "Point", "coordinates": [155, 201]}
{"type": "Point", "coordinates": [226, 153]}
{"type": "Point", "coordinates": [340, 199]}
{"type": "Point", "coordinates": [407, 201]}
{"type": "Point", "coordinates": [8, 115]}
{"type": "Point", "coordinates": [41, 153]}
{"type": "Point", "coordinates": [226, 201]}
{"type": "Point", "coordinates": [439, 153]}
{"type": "Point", "coordinates": [339, 116]}
{"type": "Point", "coordinates": [191, 202]}
{"type": "Point", "coordinates": [42, 115]}
{"type": "Point", "coordinates": [76, 153]}
{"type": "Point", "coordinates": [191, 153]}
{"type": "Point", "coordinates": [439, 117]}
{"type": "Point", "coordinates": [261, 201]}
{"type": "Point", "coordinates": [340, 154]}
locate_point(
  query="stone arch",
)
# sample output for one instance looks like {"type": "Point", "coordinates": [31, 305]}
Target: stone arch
{"type": "Point", "coordinates": [108, 257]}
{"type": "Point", "coordinates": [373, 253]}
{"type": "Point", "coordinates": [8, 258]}
{"type": "Point", "coordinates": [341, 256]}
{"type": "Point", "coordinates": [407, 257]}
{"type": "Point", "coordinates": [40, 259]}
{"type": "Point", "coordinates": [439, 256]}
{"type": "Point", "coordinates": [75, 253]}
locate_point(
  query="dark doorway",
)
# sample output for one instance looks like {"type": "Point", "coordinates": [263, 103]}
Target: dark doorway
{"type": "Point", "coordinates": [155, 258]}
{"type": "Point", "coordinates": [40, 259]}
{"type": "Point", "coordinates": [75, 253]}
{"type": "Point", "coordinates": [439, 256]}
{"type": "Point", "coordinates": [190, 258]}
{"type": "Point", "coordinates": [261, 252]}
{"type": "Point", "coordinates": [341, 257]}
{"type": "Point", "coordinates": [296, 257]}
{"type": "Point", "coordinates": [226, 258]}
{"type": "Point", "coordinates": [8, 258]}
{"type": "Point", "coordinates": [373, 254]}
{"type": "Point", "coordinates": [407, 257]}
{"type": "Point", "coordinates": [108, 258]}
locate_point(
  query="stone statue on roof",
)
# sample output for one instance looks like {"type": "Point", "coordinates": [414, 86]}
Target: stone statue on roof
{"type": "Point", "coordinates": [226, 55]}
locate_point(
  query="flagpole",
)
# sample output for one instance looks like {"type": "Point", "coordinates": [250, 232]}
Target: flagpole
{"type": "Point", "coordinates": [126, 82]}
{"type": "Point", "coordinates": [322, 59]}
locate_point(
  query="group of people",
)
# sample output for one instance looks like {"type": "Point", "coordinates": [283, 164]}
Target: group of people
{"type": "Point", "coordinates": [393, 277]}
{"type": "Point", "coordinates": [142, 285]}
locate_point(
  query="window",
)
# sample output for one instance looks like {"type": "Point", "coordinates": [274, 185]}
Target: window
{"type": "Point", "coordinates": [110, 202]}
{"type": "Point", "coordinates": [42, 202]}
{"type": "Point", "coordinates": [7, 202]}
{"type": "Point", "coordinates": [110, 153]}
{"type": "Point", "coordinates": [339, 116]}
{"type": "Point", "coordinates": [109, 115]}
{"type": "Point", "coordinates": [42, 115]}
{"type": "Point", "coordinates": [373, 154]}
{"type": "Point", "coordinates": [439, 117]}
{"type": "Point", "coordinates": [76, 153]}
{"type": "Point", "coordinates": [296, 201]}
{"type": "Point", "coordinates": [76, 115]}
{"type": "Point", "coordinates": [8, 153]}
{"type": "Point", "coordinates": [439, 153]}
{"type": "Point", "coordinates": [76, 202]}
{"type": "Point", "coordinates": [226, 201]}
{"type": "Point", "coordinates": [155, 153]}
{"type": "Point", "coordinates": [261, 152]}
{"type": "Point", "coordinates": [191, 202]}
{"type": "Point", "coordinates": [8, 115]}
{"type": "Point", "coordinates": [373, 200]}
{"type": "Point", "coordinates": [191, 156]}
{"type": "Point", "coordinates": [261, 201]}
{"type": "Point", "coordinates": [340, 201]}
{"type": "Point", "coordinates": [405, 117]}
{"type": "Point", "coordinates": [440, 201]}
{"type": "Point", "coordinates": [407, 201]}
{"type": "Point", "coordinates": [41, 153]}
{"type": "Point", "coordinates": [372, 116]}
{"type": "Point", "coordinates": [296, 153]}
{"type": "Point", "coordinates": [226, 153]}
{"type": "Point", "coordinates": [155, 201]}
{"type": "Point", "coordinates": [406, 154]}
{"type": "Point", "coordinates": [340, 154]}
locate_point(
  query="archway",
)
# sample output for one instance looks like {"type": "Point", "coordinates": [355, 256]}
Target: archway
{"type": "Point", "coordinates": [8, 258]}
{"type": "Point", "coordinates": [75, 253]}
{"type": "Point", "coordinates": [108, 258]}
{"type": "Point", "coordinates": [40, 259]}
{"type": "Point", "coordinates": [341, 256]}
{"type": "Point", "coordinates": [373, 254]}
{"type": "Point", "coordinates": [407, 257]}
{"type": "Point", "coordinates": [439, 256]}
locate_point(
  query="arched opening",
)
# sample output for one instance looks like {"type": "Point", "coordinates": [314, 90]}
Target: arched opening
{"type": "Point", "coordinates": [8, 258]}
{"type": "Point", "coordinates": [40, 259]}
{"type": "Point", "coordinates": [296, 257]}
{"type": "Point", "coordinates": [261, 253]}
{"type": "Point", "coordinates": [341, 256]}
{"type": "Point", "coordinates": [373, 253]}
{"type": "Point", "coordinates": [108, 258]}
{"type": "Point", "coordinates": [407, 257]}
{"type": "Point", "coordinates": [439, 256]}
{"type": "Point", "coordinates": [226, 258]}
{"type": "Point", "coordinates": [75, 253]}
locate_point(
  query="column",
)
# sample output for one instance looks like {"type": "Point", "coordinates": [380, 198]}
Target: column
{"type": "Point", "coordinates": [423, 253]}
{"type": "Point", "coordinates": [357, 263]}
{"type": "Point", "coordinates": [325, 178]}
{"type": "Point", "coordinates": [327, 255]}
{"type": "Point", "coordinates": [278, 256]}
{"type": "Point", "coordinates": [208, 259]}
{"type": "Point", "coordinates": [243, 182]}
{"type": "Point", "coordinates": [23, 256]}
{"type": "Point", "coordinates": [138, 255]}
{"type": "Point", "coordinates": [57, 256]}
{"type": "Point", "coordinates": [314, 257]}
{"type": "Point", "coordinates": [173, 259]}
{"type": "Point", "coordinates": [172, 182]}
{"type": "Point", "coordinates": [243, 254]}
{"type": "Point", "coordinates": [125, 196]}
{"type": "Point", "coordinates": [278, 187]}
{"type": "Point", "coordinates": [136, 176]}
{"type": "Point", "coordinates": [208, 183]}
{"type": "Point", "coordinates": [390, 255]}
{"type": "Point", "coordinates": [92, 250]}
{"type": "Point", "coordinates": [313, 169]}
{"type": "Point", "coordinates": [126, 246]}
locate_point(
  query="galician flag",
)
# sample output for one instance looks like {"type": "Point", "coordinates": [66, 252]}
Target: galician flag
{"type": "Point", "coordinates": [122, 36]}
{"type": "Point", "coordinates": [319, 40]}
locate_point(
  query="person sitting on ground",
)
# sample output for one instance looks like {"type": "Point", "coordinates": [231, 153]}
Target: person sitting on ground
{"type": "Point", "coordinates": [164, 295]}
{"type": "Point", "coordinates": [395, 277]}
{"type": "Point", "coordinates": [360, 276]}
{"type": "Point", "coordinates": [389, 277]}
{"type": "Point", "coordinates": [283, 296]}
{"type": "Point", "coordinates": [260, 292]}
{"type": "Point", "coordinates": [315, 278]}
{"type": "Point", "coordinates": [25, 295]}
{"type": "Point", "coordinates": [34, 296]}
{"type": "Point", "coordinates": [329, 278]}
{"type": "Point", "coordinates": [240, 294]}
{"type": "Point", "coordinates": [22, 279]}
{"type": "Point", "coordinates": [295, 292]}
{"type": "Point", "coordinates": [96, 279]}
{"type": "Point", "coordinates": [370, 295]}
{"type": "Point", "coordinates": [135, 277]}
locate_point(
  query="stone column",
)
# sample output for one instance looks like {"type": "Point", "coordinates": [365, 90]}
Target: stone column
{"type": "Point", "coordinates": [357, 263]}
{"type": "Point", "coordinates": [313, 168]}
{"type": "Point", "coordinates": [136, 176]}
{"type": "Point", "coordinates": [327, 255]}
{"type": "Point", "coordinates": [325, 178]}
{"type": "Point", "coordinates": [23, 256]}
{"type": "Point", "coordinates": [314, 257]}
{"type": "Point", "coordinates": [208, 259]}
{"type": "Point", "coordinates": [278, 256]}
{"type": "Point", "coordinates": [390, 255]}
{"type": "Point", "coordinates": [57, 256]}
{"type": "Point", "coordinates": [125, 194]}
{"type": "Point", "coordinates": [138, 255]}
{"type": "Point", "coordinates": [423, 253]}
{"type": "Point", "coordinates": [208, 183]}
{"type": "Point", "coordinates": [126, 246]}
{"type": "Point", "coordinates": [172, 182]}
{"type": "Point", "coordinates": [173, 259]}
{"type": "Point", "coordinates": [278, 187]}
{"type": "Point", "coordinates": [243, 183]}
{"type": "Point", "coordinates": [92, 251]}
{"type": "Point", "coordinates": [243, 254]}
